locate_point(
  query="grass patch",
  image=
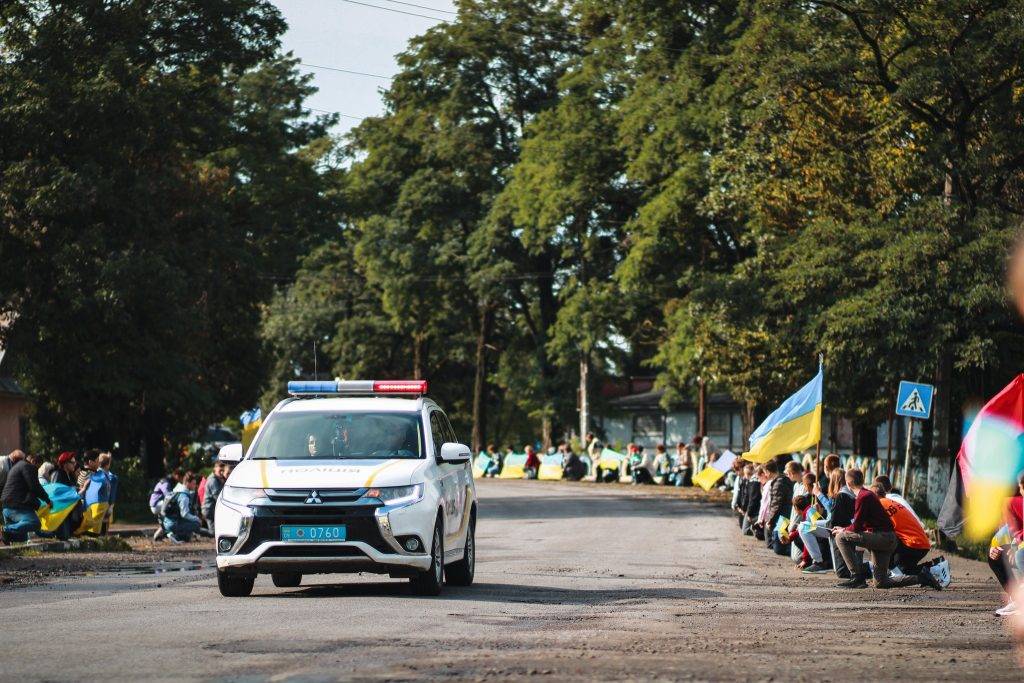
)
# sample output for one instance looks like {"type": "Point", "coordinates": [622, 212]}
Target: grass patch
{"type": "Point", "coordinates": [102, 544]}
{"type": "Point", "coordinates": [22, 552]}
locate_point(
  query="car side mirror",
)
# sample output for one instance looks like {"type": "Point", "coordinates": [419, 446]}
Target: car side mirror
{"type": "Point", "coordinates": [231, 452]}
{"type": "Point", "coordinates": [455, 453]}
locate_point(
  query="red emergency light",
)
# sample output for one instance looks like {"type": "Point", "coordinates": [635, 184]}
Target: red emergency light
{"type": "Point", "coordinates": [400, 386]}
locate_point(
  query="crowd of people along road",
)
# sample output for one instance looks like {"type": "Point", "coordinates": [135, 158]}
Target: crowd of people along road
{"type": "Point", "coordinates": [860, 531]}
{"type": "Point", "coordinates": [183, 503]}
{"type": "Point", "coordinates": [641, 466]}
{"type": "Point", "coordinates": [22, 477]}
{"type": "Point", "coordinates": [831, 525]}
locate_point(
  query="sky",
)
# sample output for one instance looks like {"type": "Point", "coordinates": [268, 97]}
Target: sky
{"type": "Point", "coordinates": [348, 34]}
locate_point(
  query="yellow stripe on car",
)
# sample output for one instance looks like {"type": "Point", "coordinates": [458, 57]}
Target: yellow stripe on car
{"type": "Point", "coordinates": [377, 470]}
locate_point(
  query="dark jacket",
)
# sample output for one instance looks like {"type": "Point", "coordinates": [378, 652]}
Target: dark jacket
{"type": "Point", "coordinates": [62, 477]}
{"type": "Point", "coordinates": [781, 502]}
{"type": "Point", "coordinates": [753, 502]}
{"type": "Point", "coordinates": [741, 496]}
{"type": "Point", "coordinates": [22, 491]}
{"type": "Point", "coordinates": [842, 508]}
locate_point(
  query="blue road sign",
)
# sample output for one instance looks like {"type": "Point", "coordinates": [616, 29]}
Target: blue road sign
{"type": "Point", "coordinates": [915, 400]}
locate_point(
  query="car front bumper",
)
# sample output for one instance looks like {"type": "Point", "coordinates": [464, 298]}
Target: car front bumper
{"type": "Point", "coordinates": [319, 558]}
{"type": "Point", "coordinates": [373, 545]}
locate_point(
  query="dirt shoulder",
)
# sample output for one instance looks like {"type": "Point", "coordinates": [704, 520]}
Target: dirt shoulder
{"type": "Point", "coordinates": [138, 555]}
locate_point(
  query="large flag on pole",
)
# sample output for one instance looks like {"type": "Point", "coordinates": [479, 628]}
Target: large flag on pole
{"type": "Point", "coordinates": [990, 458]}
{"type": "Point", "coordinates": [795, 425]}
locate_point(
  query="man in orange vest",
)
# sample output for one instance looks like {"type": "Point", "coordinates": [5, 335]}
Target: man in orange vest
{"type": "Point", "coordinates": [913, 543]}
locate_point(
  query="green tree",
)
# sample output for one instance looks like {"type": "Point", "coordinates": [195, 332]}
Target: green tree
{"type": "Point", "coordinates": [136, 141]}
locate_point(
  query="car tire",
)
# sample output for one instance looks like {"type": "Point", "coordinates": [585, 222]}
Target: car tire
{"type": "Point", "coordinates": [286, 579]}
{"type": "Point", "coordinates": [429, 582]}
{"type": "Point", "coordinates": [461, 573]}
{"type": "Point", "coordinates": [235, 585]}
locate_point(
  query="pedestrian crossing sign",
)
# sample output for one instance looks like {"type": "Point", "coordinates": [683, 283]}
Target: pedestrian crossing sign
{"type": "Point", "coordinates": [915, 400]}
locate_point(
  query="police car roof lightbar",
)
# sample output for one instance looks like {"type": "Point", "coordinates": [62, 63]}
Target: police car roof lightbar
{"type": "Point", "coordinates": [367, 387]}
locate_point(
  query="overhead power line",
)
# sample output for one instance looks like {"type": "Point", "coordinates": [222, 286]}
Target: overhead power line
{"type": "Point", "coordinates": [412, 4]}
{"type": "Point", "coordinates": [347, 116]}
{"type": "Point", "coordinates": [347, 71]}
{"type": "Point", "coordinates": [392, 9]}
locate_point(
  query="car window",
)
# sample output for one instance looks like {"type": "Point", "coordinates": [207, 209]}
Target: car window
{"type": "Point", "coordinates": [449, 431]}
{"type": "Point", "coordinates": [340, 435]}
{"type": "Point", "coordinates": [437, 431]}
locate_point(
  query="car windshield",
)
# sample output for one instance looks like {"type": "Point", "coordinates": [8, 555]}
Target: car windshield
{"type": "Point", "coordinates": [347, 436]}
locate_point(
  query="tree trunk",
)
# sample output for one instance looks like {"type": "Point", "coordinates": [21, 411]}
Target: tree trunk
{"type": "Point", "coordinates": [702, 409]}
{"type": "Point", "coordinates": [584, 397]}
{"type": "Point", "coordinates": [545, 433]}
{"type": "Point", "coordinates": [748, 421]}
{"type": "Point", "coordinates": [888, 443]}
{"type": "Point", "coordinates": [417, 357]}
{"type": "Point", "coordinates": [480, 381]}
{"type": "Point", "coordinates": [938, 457]}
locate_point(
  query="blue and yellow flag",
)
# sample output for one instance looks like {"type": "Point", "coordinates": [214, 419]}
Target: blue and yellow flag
{"type": "Point", "coordinates": [795, 425]}
{"type": "Point", "coordinates": [251, 421]}
{"type": "Point", "coordinates": [64, 499]}
{"type": "Point", "coordinates": [97, 500]}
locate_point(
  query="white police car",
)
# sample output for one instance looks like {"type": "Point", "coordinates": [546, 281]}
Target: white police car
{"type": "Point", "coordinates": [349, 476]}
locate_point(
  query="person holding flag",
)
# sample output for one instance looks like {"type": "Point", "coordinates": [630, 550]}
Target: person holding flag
{"type": "Point", "coordinates": [20, 498]}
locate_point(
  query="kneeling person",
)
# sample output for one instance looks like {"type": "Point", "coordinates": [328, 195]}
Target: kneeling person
{"type": "Point", "coordinates": [179, 518]}
{"type": "Point", "coordinates": [872, 529]}
{"type": "Point", "coordinates": [912, 542]}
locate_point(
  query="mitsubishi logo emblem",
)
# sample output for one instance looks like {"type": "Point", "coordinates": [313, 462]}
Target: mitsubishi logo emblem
{"type": "Point", "coordinates": [314, 498]}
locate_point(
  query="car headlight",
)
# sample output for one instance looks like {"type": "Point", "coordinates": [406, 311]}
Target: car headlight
{"type": "Point", "coordinates": [237, 495]}
{"type": "Point", "coordinates": [397, 495]}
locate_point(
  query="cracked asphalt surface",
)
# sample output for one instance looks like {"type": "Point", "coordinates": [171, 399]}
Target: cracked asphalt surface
{"type": "Point", "coordinates": [574, 582]}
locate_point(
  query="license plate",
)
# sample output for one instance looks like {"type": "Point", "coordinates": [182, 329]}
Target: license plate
{"type": "Point", "coordinates": [313, 534]}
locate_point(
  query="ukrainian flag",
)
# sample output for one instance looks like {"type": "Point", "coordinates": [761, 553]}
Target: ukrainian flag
{"type": "Point", "coordinates": [251, 421]}
{"type": "Point", "coordinates": [97, 500]}
{"type": "Point", "coordinates": [794, 425]}
{"type": "Point", "coordinates": [64, 499]}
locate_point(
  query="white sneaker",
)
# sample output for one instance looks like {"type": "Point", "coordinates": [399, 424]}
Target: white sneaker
{"type": "Point", "coordinates": [1008, 609]}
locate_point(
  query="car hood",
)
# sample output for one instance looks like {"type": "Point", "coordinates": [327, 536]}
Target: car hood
{"type": "Point", "coordinates": [298, 474]}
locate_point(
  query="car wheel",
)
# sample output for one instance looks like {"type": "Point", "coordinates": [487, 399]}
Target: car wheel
{"type": "Point", "coordinates": [461, 573]}
{"type": "Point", "coordinates": [429, 582]}
{"type": "Point", "coordinates": [235, 585]}
{"type": "Point", "coordinates": [286, 579]}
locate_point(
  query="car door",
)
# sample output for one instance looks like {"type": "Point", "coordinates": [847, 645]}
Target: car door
{"type": "Point", "coordinates": [461, 483]}
{"type": "Point", "coordinates": [448, 478]}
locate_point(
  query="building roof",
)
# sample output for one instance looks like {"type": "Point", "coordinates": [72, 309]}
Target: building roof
{"type": "Point", "coordinates": [9, 387]}
{"type": "Point", "coordinates": [651, 400]}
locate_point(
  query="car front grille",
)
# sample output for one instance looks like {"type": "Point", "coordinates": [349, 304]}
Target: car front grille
{"type": "Point", "coordinates": [327, 496]}
{"type": "Point", "coordinates": [360, 523]}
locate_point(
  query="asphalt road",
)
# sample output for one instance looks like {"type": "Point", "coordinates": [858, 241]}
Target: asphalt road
{"type": "Point", "coordinates": [577, 582]}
